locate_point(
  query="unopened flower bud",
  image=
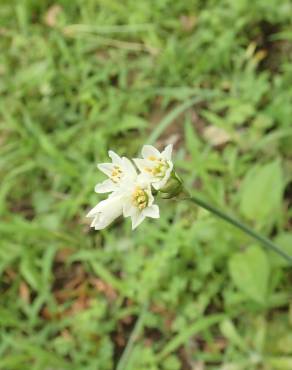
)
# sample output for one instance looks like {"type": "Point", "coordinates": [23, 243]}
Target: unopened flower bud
{"type": "Point", "coordinates": [172, 188]}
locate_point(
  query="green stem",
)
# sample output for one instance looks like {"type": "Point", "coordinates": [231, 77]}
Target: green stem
{"type": "Point", "coordinates": [124, 360]}
{"type": "Point", "coordinates": [264, 241]}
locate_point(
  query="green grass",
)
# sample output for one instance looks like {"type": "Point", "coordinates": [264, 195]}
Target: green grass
{"type": "Point", "coordinates": [186, 291]}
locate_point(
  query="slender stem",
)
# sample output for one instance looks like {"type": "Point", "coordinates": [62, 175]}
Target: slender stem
{"type": "Point", "coordinates": [264, 241]}
{"type": "Point", "coordinates": [123, 362]}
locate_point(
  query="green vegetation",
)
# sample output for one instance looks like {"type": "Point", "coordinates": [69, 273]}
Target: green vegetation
{"type": "Point", "coordinates": [186, 291]}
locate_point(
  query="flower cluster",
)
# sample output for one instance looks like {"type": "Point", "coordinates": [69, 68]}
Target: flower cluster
{"type": "Point", "coordinates": [131, 193]}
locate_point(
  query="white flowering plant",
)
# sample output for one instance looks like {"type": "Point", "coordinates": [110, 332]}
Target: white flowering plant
{"type": "Point", "coordinates": [132, 188]}
{"type": "Point", "coordinates": [133, 185]}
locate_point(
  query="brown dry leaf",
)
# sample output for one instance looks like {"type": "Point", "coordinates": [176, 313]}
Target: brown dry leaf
{"type": "Point", "coordinates": [65, 294]}
{"type": "Point", "coordinates": [62, 296]}
{"type": "Point", "coordinates": [127, 320]}
{"type": "Point", "coordinates": [77, 278]}
{"type": "Point", "coordinates": [167, 315]}
{"type": "Point", "coordinates": [66, 334]}
{"type": "Point", "coordinates": [188, 22]}
{"type": "Point", "coordinates": [63, 254]}
{"type": "Point", "coordinates": [198, 365]}
{"type": "Point", "coordinates": [120, 340]}
{"type": "Point", "coordinates": [218, 345]}
{"type": "Point", "coordinates": [104, 288]}
{"type": "Point", "coordinates": [24, 292]}
{"type": "Point", "coordinates": [199, 124]}
{"type": "Point", "coordinates": [157, 308]}
{"type": "Point", "coordinates": [148, 342]}
{"type": "Point", "coordinates": [216, 136]}
{"type": "Point", "coordinates": [47, 314]}
{"type": "Point", "coordinates": [11, 274]}
{"type": "Point", "coordinates": [4, 31]}
{"type": "Point", "coordinates": [168, 322]}
{"type": "Point", "coordinates": [50, 18]}
{"type": "Point", "coordinates": [81, 304]}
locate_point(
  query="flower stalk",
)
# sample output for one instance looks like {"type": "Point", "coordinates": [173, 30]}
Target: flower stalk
{"type": "Point", "coordinates": [233, 221]}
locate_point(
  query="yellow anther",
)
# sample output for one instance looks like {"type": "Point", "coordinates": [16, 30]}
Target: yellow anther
{"type": "Point", "coordinates": [141, 206]}
{"type": "Point", "coordinates": [140, 198]}
{"type": "Point", "coordinates": [116, 174]}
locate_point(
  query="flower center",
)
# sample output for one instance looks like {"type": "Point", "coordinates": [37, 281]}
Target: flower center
{"type": "Point", "coordinates": [140, 198]}
{"type": "Point", "coordinates": [159, 169]}
{"type": "Point", "coordinates": [116, 174]}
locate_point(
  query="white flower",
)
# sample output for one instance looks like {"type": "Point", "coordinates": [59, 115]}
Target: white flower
{"type": "Point", "coordinates": [131, 193]}
{"type": "Point", "coordinates": [106, 211]}
{"type": "Point", "coordinates": [155, 166]}
{"type": "Point", "coordinates": [121, 169]}
{"type": "Point", "coordinates": [138, 202]}
{"type": "Point", "coordinates": [132, 199]}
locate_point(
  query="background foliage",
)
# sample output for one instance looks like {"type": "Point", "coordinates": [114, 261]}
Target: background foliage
{"type": "Point", "coordinates": [186, 291]}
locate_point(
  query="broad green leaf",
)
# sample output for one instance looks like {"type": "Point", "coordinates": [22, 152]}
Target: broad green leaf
{"type": "Point", "coordinates": [261, 192]}
{"type": "Point", "coordinates": [250, 273]}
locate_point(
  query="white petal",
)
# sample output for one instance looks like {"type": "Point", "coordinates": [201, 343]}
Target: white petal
{"type": "Point", "coordinates": [152, 211]}
{"type": "Point", "coordinates": [129, 168]}
{"type": "Point", "coordinates": [107, 210]}
{"type": "Point", "coordinates": [94, 221]}
{"type": "Point", "coordinates": [150, 195]}
{"type": "Point", "coordinates": [100, 207]}
{"type": "Point", "coordinates": [159, 184]}
{"type": "Point", "coordinates": [94, 211]}
{"type": "Point", "coordinates": [105, 186]}
{"type": "Point", "coordinates": [116, 193]}
{"type": "Point", "coordinates": [150, 151]}
{"type": "Point", "coordinates": [166, 154]}
{"type": "Point", "coordinates": [142, 164]}
{"type": "Point", "coordinates": [103, 223]}
{"type": "Point", "coordinates": [145, 179]}
{"type": "Point", "coordinates": [100, 222]}
{"type": "Point", "coordinates": [128, 208]}
{"type": "Point", "coordinates": [106, 168]}
{"type": "Point", "coordinates": [115, 158]}
{"type": "Point", "coordinates": [137, 218]}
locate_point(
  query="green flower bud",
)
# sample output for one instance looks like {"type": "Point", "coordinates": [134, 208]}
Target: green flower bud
{"type": "Point", "coordinates": [172, 188]}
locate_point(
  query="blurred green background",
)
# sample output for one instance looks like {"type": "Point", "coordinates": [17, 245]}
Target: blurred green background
{"type": "Point", "coordinates": [186, 291]}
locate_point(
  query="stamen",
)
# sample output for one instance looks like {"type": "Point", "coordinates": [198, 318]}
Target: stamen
{"type": "Point", "coordinates": [160, 169]}
{"type": "Point", "coordinates": [116, 174]}
{"type": "Point", "coordinates": [140, 198]}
